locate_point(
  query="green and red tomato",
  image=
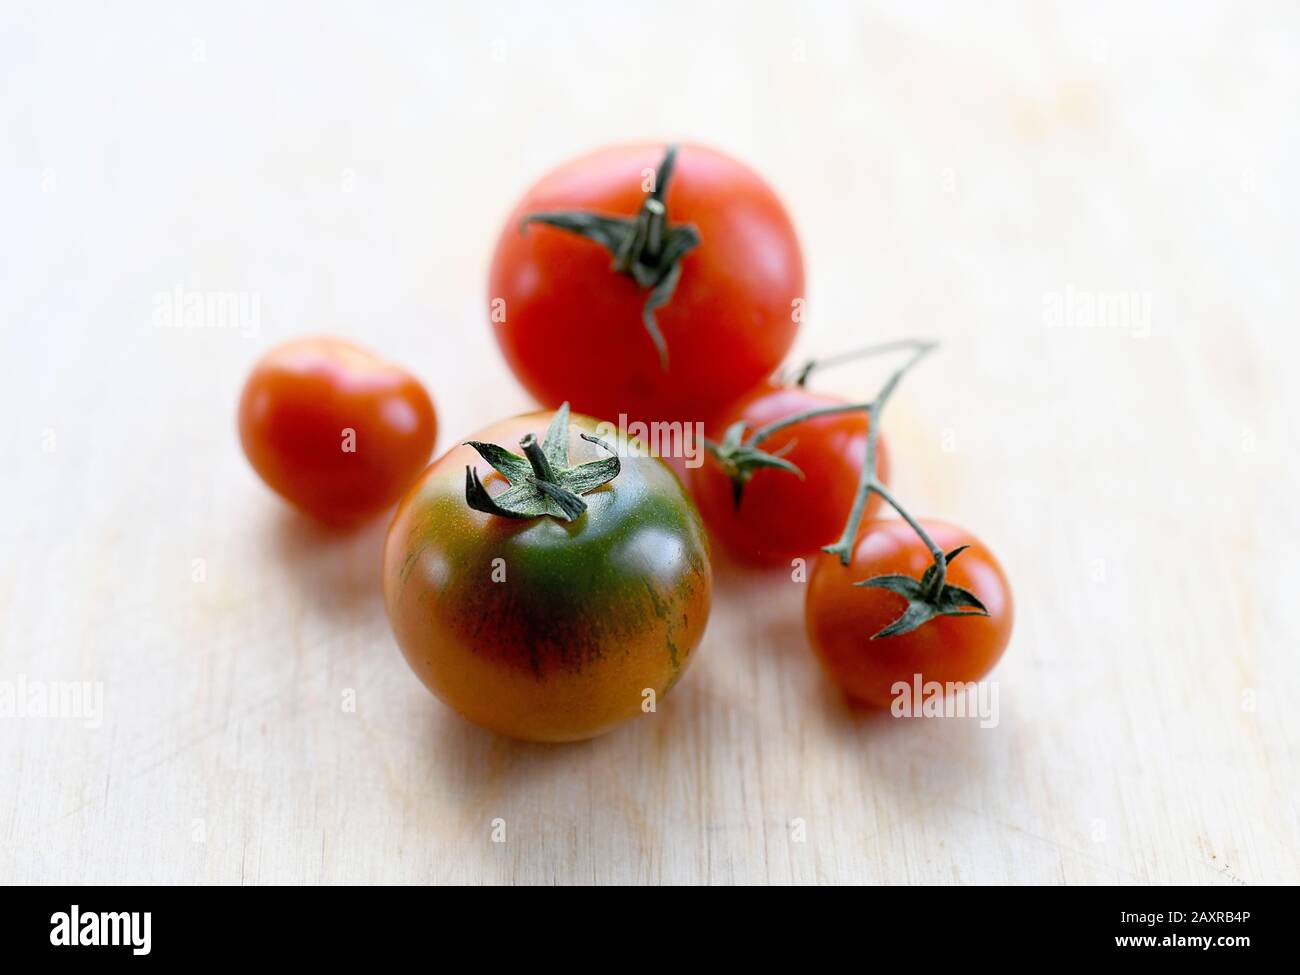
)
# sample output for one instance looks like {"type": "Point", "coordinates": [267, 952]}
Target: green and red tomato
{"type": "Point", "coordinates": [540, 627]}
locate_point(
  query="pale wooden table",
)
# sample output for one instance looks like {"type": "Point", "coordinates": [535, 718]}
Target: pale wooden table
{"type": "Point", "coordinates": [953, 175]}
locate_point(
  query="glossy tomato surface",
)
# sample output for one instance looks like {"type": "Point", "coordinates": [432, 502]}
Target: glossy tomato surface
{"type": "Point", "coordinates": [334, 429]}
{"type": "Point", "coordinates": [841, 617]}
{"type": "Point", "coordinates": [781, 516]}
{"type": "Point", "coordinates": [540, 629]}
{"type": "Point", "coordinates": [572, 327]}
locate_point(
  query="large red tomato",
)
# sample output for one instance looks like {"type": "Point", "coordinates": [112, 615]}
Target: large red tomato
{"type": "Point", "coordinates": [573, 328]}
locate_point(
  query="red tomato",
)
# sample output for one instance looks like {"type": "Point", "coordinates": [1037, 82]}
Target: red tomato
{"type": "Point", "coordinates": [572, 326]}
{"type": "Point", "coordinates": [334, 429]}
{"type": "Point", "coordinates": [841, 618]}
{"type": "Point", "coordinates": [782, 516]}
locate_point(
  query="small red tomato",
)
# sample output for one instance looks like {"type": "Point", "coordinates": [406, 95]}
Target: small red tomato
{"type": "Point", "coordinates": [782, 516]}
{"type": "Point", "coordinates": [334, 429]}
{"type": "Point", "coordinates": [715, 264]}
{"type": "Point", "coordinates": [842, 618]}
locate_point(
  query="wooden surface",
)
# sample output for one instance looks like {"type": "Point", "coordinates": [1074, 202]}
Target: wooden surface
{"type": "Point", "coordinates": [974, 175]}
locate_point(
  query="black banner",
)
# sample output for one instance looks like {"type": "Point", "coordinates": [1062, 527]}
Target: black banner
{"type": "Point", "coordinates": [138, 926]}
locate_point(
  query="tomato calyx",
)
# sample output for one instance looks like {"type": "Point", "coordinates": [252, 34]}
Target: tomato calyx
{"type": "Point", "coordinates": [541, 481]}
{"type": "Point", "coordinates": [740, 458]}
{"type": "Point", "coordinates": [647, 248]}
{"type": "Point", "coordinates": [927, 597]}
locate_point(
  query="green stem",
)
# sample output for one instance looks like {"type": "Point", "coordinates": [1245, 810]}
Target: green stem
{"type": "Point", "coordinates": [656, 215]}
{"type": "Point", "coordinates": [940, 561]}
{"type": "Point", "coordinates": [645, 247]}
{"type": "Point", "coordinates": [868, 481]}
{"type": "Point", "coordinates": [647, 239]}
{"type": "Point", "coordinates": [541, 466]}
{"type": "Point", "coordinates": [807, 369]}
{"type": "Point", "coordinates": [765, 431]}
{"type": "Point", "coordinates": [801, 378]}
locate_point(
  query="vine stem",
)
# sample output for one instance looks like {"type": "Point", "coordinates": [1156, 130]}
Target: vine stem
{"type": "Point", "coordinates": [807, 369]}
{"type": "Point", "coordinates": [940, 560]}
{"type": "Point", "coordinates": [812, 365]}
{"type": "Point", "coordinates": [868, 481]}
{"type": "Point", "coordinates": [765, 431]}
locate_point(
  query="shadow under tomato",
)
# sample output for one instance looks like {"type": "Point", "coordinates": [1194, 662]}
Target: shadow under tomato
{"type": "Point", "coordinates": [337, 570]}
{"type": "Point", "coordinates": [913, 760]}
{"type": "Point", "coordinates": [762, 608]}
{"type": "Point", "coordinates": [534, 786]}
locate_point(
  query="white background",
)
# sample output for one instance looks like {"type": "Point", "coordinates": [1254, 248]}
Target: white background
{"type": "Point", "coordinates": [951, 172]}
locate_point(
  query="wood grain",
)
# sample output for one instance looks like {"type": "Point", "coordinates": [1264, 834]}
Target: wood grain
{"type": "Point", "coordinates": [975, 175]}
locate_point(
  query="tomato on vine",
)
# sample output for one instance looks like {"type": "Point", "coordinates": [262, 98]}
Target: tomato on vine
{"type": "Point", "coordinates": [678, 272]}
{"type": "Point", "coordinates": [873, 624]}
{"type": "Point", "coordinates": [548, 595]}
{"type": "Point", "coordinates": [334, 429]}
{"type": "Point", "coordinates": [781, 481]}
{"type": "Point", "coordinates": [919, 612]}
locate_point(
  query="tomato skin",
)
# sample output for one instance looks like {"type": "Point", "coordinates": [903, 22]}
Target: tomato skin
{"type": "Point", "coordinates": [782, 517]}
{"type": "Point", "coordinates": [573, 327]}
{"type": "Point", "coordinates": [841, 617]}
{"type": "Point", "coordinates": [298, 402]}
{"type": "Point", "coordinates": [586, 616]}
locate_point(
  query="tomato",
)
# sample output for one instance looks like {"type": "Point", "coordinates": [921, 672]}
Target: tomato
{"type": "Point", "coordinates": [782, 516]}
{"type": "Point", "coordinates": [535, 627]}
{"type": "Point", "coordinates": [335, 430]}
{"type": "Point", "coordinates": [842, 618]}
{"type": "Point", "coordinates": [572, 328]}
